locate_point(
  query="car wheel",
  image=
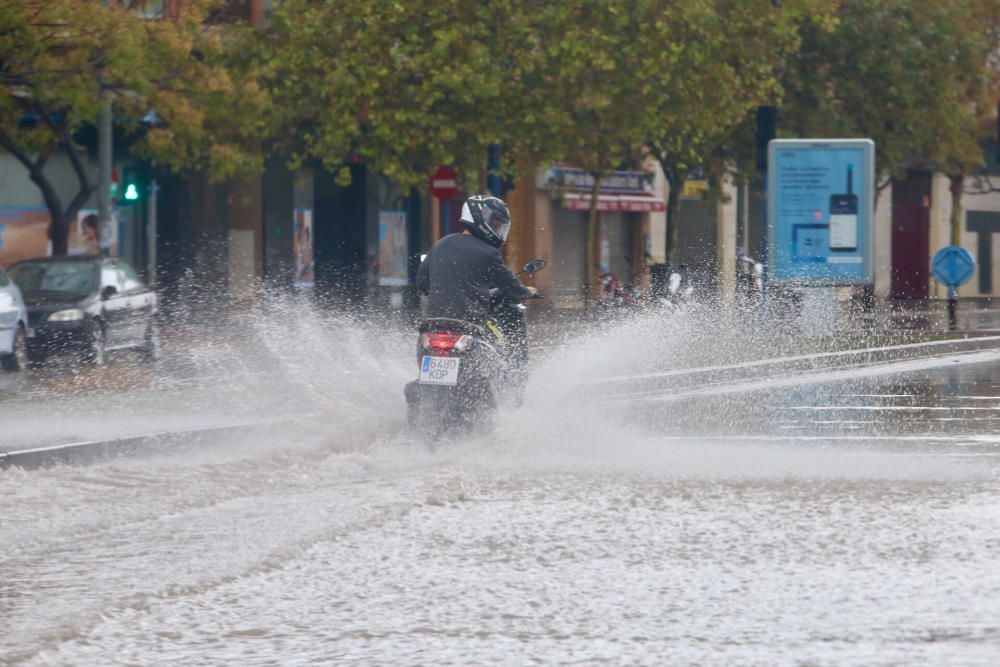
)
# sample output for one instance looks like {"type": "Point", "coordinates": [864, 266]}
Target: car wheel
{"type": "Point", "coordinates": [153, 347]}
{"type": "Point", "coordinates": [94, 353]}
{"type": "Point", "coordinates": [17, 360]}
{"type": "Point", "coordinates": [37, 355]}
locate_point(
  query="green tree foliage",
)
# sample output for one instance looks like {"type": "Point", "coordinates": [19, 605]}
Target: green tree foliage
{"type": "Point", "coordinates": [407, 86]}
{"type": "Point", "coordinates": [58, 57]}
{"type": "Point", "coordinates": [728, 58]}
{"type": "Point", "coordinates": [595, 83]}
{"type": "Point", "coordinates": [916, 77]}
{"type": "Point", "coordinates": [412, 85]}
{"type": "Point", "coordinates": [582, 90]}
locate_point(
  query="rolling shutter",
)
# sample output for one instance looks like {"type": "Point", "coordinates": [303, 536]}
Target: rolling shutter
{"type": "Point", "coordinates": [569, 245]}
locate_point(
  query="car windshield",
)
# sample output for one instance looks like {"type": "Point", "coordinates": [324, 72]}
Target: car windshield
{"type": "Point", "coordinates": [70, 277]}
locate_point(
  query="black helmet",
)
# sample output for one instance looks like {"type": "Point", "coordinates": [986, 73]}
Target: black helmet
{"type": "Point", "coordinates": [487, 218]}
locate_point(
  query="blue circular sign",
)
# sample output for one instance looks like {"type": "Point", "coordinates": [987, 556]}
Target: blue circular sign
{"type": "Point", "coordinates": [953, 266]}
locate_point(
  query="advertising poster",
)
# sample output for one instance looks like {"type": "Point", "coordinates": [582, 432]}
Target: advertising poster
{"type": "Point", "coordinates": [88, 237]}
{"type": "Point", "coordinates": [820, 203]}
{"type": "Point", "coordinates": [392, 248]}
{"type": "Point", "coordinates": [302, 246]}
{"type": "Point", "coordinates": [24, 233]}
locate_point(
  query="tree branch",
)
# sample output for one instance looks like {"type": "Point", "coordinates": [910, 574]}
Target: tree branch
{"type": "Point", "coordinates": [74, 158]}
{"type": "Point", "coordinates": [78, 201]}
{"type": "Point", "coordinates": [86, 188]}
{"type": "Point", "coordinates": [8, 144]}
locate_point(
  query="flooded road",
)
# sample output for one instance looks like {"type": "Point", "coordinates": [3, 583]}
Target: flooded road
{"type": "Point", "coordinates": [661, 504]}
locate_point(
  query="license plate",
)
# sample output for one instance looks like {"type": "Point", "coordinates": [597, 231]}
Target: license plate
{"type": "Point", "coordinates": [439, 370]}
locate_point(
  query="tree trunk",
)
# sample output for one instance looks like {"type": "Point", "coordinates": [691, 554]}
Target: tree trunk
{"type": "Point", "coordinates": [956, 185]}
{"type": "Point", "coordinates": [878, 191]}
{"type": "Point", "coordinates": [593, 220]}
{"type": "Point", "coordinates": [59, 225]}
{"type": "Point", "coordinates": [59, 216]}
{"type": "Point", "coordinates": [676, 182]}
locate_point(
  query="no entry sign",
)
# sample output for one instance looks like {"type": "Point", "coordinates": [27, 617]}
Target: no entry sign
{"type": "Point", "coordinates": [444, 183]}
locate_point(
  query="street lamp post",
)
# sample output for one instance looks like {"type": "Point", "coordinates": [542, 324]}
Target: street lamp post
{"type": "Point", "coordinates": [104, 149]}
{"type": "Point", "coordinates": [104, 163]}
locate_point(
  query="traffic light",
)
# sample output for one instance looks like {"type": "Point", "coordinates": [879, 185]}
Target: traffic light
{"type": "Point", "coordinates": [767, 120]}
{"type": "Point", "coordinates": [131, 185]}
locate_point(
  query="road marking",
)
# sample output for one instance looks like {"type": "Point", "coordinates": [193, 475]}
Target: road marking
{"type": "Point", "coordinates": [805, 378]}
{"type": "Point", "coordinates": [968, 440]}
{"type": "Point", "coordinates": [31, 457]}
{"type": "Point", "coordinates": [780, 360]}
{"type": "Point", "coordinates": [887, 408]}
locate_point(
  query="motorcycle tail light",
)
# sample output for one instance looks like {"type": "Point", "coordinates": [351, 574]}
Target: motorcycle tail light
{"type": "Point", "coordinates": [445, 342]}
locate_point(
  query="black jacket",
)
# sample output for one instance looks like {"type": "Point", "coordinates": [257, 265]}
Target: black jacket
{"type": "Point", "coordinates": [457, 276]}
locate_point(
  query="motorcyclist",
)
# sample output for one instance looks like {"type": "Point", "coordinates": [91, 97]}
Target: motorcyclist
{"type": "Point", "coordinates": [461, 269]}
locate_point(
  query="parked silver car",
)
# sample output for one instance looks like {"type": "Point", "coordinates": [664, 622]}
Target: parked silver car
{"type": "Point", "coordinates": [13, 326]}
{"type": "Point", "coordinates": [87, 305]}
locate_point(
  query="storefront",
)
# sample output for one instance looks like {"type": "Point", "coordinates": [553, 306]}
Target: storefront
{"type": "Point", "coordinates": [624, 203]}
{"type": "Point", "coordinates": [569, 249]}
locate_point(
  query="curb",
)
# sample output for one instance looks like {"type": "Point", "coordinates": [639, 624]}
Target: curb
{"type": "Point", "coordinates": [90, 451]}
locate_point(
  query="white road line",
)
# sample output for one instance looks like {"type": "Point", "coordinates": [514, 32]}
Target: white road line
{"type": "Point", "coordinates": [780, 360]}
{"type": "Point", "coordinates": [153, 435]}
{"type": "Point", "coordinates": [855, 373]}
{"type": "Point", "coordinates": [969, 440]}
{"type": "Point", "coordinates": [886, 408]}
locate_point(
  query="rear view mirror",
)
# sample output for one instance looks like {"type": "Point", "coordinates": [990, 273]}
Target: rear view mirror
{"type": "Point", "coordinates": [534, 266]}
{"type": "Point", "coordinates": [108, 292]}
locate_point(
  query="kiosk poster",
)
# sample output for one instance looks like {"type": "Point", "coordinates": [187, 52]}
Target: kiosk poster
{"type": "Point", "coordinates": [392, 245]}
{"type": "Point", "coordinates": [820, 209]}
{"type": "Point", "coordinates": [302, 246]}
{"type": "Point", "coordinates": [88, 237]}
{"type": "Point", "coordinates": [24, 233]}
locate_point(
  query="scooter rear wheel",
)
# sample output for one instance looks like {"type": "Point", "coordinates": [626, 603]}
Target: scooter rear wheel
{"type": "Point", "coordinates": [428, 413]}
{"type": "Point", "coordinates": [434, 413]}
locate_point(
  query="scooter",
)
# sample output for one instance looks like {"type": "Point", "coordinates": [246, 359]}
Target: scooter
{"type": "Point", "coordinates": [676, 290]}
{"type": "Point", "coordinates": [616, 297]}
{"type": "Point", "coordinates": [465, 370]}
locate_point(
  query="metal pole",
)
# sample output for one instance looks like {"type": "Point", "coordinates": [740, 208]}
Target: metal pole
{"type": "Point", "coordinates": [766, 128]}
{"type": "Point", "coordinates": [154, 187]}
{"type": "Point", "coordinates": [104, 149]}
{"type": "Point", "coordinates": [745, 217]}
{"type": "Point", "coordinates": [765, 258]}
{"type": "Point", "coordinates": [952, 303]}
{"type": "Point", "coordinates": [493, 164]}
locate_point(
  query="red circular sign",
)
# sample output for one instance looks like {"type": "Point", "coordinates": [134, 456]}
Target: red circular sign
{"type": "Point", "coordinates": [444, 183]}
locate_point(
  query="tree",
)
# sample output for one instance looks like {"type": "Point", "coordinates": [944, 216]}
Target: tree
{"type": "Point", "coordinates": [729, 54]}
{"type": "Point", "coordinates": [405, 86]}
{"type": "Point", "coordinates": [410, 86]}
{"type": "Point", "coordinates": [916, 77]}
{"type": "Point", "coordinates": [59, 57]}
{"type": "Point", "coordinates": [581, 91]}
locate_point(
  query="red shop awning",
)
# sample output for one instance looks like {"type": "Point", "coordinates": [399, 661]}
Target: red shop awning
{"type": "Point", "coordinates": [630, 203]}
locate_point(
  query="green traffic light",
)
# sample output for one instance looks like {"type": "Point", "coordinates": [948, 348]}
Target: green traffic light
{"type": "Point", "coordinates": [131, 193]}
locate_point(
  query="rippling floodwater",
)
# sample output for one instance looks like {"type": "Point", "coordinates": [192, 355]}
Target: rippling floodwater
{"type": "Point", "coordinates": [832, 522]}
